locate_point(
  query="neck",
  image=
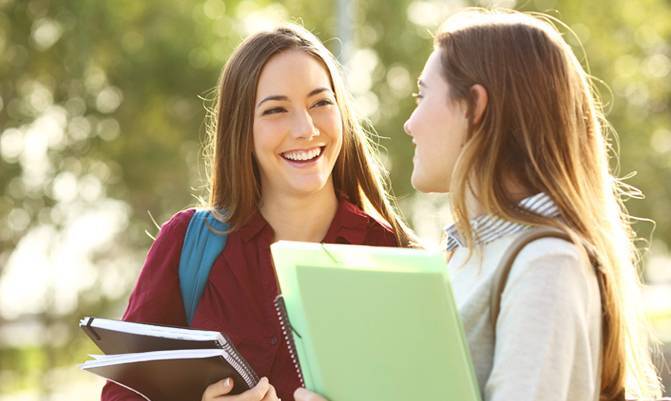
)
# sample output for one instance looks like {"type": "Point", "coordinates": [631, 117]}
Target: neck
{"type": "Point", "coordinates": [516, 191]}
{"type": "Point", "coordinates": [299, 218]}
{"type": "Point", "coordinates": [473, 206]}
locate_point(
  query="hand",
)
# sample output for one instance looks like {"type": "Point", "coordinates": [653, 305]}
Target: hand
{"type": "Point", "coordinates": [263, 391]}
{"type": "Point", "coordinates": [306, 395]}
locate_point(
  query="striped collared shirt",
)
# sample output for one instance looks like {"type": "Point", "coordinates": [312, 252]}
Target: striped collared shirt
{"type": "Point", "coordinates": [488, 228]}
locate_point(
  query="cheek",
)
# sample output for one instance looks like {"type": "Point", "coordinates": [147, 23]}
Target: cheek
{"type": "Point", "coordinates": [257, 145]}
{"type": "Point", "coordinates": [330, 123]}
{"type": "Point", "coordinates": [437, 115]}
{"type": "Point", "coordinates": [338, 130]}
{"type": "Point", "coordinates": [266, 136]}
{"type": "Point", "coordinates": [424, 121]}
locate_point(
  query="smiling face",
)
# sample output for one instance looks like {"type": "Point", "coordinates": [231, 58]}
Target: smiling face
{"type": "Point", "coordinates": [438, 127]}
{"type": "Point", "coordinates": [297, 125]}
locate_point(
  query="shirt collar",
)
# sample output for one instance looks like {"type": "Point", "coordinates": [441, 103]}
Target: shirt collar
{"type": "Point", "coordinates": [487, 228]}
{"type": "Point", "coordinates": [349, 225]}
{"type": "Point", "coordinates": [254, 226]}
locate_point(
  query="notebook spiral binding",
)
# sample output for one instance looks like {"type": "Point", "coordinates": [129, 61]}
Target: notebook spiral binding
{"type": "Point", "coordinates": [240, 365]}
{"type": "Point", "coordinates": [283, 317]}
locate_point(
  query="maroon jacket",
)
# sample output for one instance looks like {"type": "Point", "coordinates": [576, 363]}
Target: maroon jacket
{"type": "Point", "coordinates": [238, 297]}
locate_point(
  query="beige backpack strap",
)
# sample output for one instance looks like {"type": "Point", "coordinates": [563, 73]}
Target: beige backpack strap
{"type": "Point", "coordinates": [508, 258]}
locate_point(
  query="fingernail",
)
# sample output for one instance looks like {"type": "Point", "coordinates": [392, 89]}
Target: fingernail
{"type": "Point", "coordinates": [227, 382]}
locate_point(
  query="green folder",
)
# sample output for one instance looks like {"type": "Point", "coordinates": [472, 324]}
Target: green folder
{"type": "Point", "coordinates": [373, 323]}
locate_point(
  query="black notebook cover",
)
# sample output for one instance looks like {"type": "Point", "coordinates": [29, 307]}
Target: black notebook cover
{"type": "Point", "coordinates": [161, 377]}
{"type": "Point", "coordinates": [172, 379]}
{"type": "Point", "coordinates": [117, 342]}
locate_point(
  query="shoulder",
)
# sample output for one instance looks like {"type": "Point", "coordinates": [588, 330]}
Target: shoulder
{"type": "Point", "coordinates": [554, 264]}
{"type": "Point", "coordinates": [380, 232]}
{"type": "Point", "coordinates": [179, 220]}
{"type": "Point", "coordinates": [375, 231]}
{"type": "Point", "coordinates": [552, 251]}
{"type": "Point", "coordinates": [176, 225]}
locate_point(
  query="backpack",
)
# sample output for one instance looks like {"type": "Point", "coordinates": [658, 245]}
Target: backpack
{"type": "Point", "coordinates": [202, 245]}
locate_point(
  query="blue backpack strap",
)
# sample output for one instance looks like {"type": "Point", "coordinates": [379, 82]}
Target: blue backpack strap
{"type": "Point", "coordinates": [201, 248]}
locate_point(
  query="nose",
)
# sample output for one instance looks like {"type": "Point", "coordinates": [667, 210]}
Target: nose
{"type": "Point", "coordinates": [304, 127]}
{"type": "Point", "coordinates": [406, 126]}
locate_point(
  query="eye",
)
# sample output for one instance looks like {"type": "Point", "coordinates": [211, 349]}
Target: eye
{"type": "Point", "coordinates": [323, 102]}
{"type": "Point", "coordinates": [417, 97]}
{"type": "Point", "coordinates": [274, 110]}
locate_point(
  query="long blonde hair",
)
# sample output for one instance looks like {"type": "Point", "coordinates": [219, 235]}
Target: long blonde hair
{"type": "Point", "coordinates": [235, 186]}
{"type": "Point", "coordinates": [544, 130]}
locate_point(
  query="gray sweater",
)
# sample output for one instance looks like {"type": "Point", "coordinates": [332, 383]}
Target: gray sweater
{"type": "Point", "coordinates": [548, 333]}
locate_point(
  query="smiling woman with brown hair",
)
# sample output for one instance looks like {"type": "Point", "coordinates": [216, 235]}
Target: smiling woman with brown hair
{"type": "Point", "coordinates": [236, 181]}
{"type": "Point", "coordinates": [289, 161]}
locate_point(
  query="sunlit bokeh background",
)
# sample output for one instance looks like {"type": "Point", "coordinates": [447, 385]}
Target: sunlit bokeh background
{"type": "Point", "coordinates": [102, 107]}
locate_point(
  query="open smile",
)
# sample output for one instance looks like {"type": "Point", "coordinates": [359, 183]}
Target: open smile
{"type": "Point", "coordinates": [303, 156]}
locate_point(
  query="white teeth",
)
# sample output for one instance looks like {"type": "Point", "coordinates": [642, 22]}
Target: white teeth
{"type": "Point", "coordinates": [303, 154]}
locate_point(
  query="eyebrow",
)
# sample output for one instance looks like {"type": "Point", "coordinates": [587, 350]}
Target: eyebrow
{"type": "Point", "coordinates": [283, 98]}
{"type": "Point", "coordinates": [318, 91]}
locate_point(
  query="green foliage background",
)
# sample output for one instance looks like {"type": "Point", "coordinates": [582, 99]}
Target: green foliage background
{"type": "Point", "coordinates": [124, 82]}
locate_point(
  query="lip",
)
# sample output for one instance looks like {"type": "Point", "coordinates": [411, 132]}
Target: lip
{"type": "Point", "coordinates": [303, 149]}
{"type": "Point", "coordinates": [304, 164]}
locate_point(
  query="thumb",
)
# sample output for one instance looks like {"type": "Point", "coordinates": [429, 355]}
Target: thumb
{"type": "Point", "coordinates": [216, 389]}
{"type": "Point", "coordinates": [227, 385]}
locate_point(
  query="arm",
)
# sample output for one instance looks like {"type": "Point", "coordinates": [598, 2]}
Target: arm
{"type": "Point", "coordinates": [156, 297]}
{"type": "Point", "coordinates": [545, 342]}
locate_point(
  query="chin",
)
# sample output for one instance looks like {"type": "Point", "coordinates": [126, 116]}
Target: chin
{"type": "Point", "coordinates": [426, 186]}
{"type": "Point", "coordinates": [418, 184]}
{"type": "Point", "coordinates": [308, 188]}
{"type": "Point", "coordinates": [420, 188]}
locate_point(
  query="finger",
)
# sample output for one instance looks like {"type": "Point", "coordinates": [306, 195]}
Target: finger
{"type": "Point", "coordinates": [256, 393]}
{"type": "Point", "coordinates": [271, 395]}
{"type": "Point", "coordinates": [302, 394]}
{"type": "Point", "coordinates": [216, 389]}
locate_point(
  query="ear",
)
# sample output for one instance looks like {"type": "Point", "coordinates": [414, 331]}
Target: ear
{"type": "Point", "coordinates": [479, 102]}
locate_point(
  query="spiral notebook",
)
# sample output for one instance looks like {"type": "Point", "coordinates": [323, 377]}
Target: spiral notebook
{"type": "Point", "coordinates": [163, 362]}
{"type": "Point", "coordinates": [372, 323]}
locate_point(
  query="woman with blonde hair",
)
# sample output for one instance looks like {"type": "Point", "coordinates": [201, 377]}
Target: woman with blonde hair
{"type": "Point", "coordinates": [507, 122]}
{"type": "Point", "coordinates": [289, 161]}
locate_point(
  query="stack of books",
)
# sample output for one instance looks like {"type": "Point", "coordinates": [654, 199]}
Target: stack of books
{"type": "Point", "coordinates": [162, 362]}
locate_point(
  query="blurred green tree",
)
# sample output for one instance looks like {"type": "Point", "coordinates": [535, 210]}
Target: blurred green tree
{"type": "Point", "coordinates": [102, 108]}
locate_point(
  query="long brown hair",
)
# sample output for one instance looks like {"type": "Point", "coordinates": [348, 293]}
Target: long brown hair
{"type": "Point", "coordinates": [543, 130]}
{"type": "Point", "coordinates": [235, 187]}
